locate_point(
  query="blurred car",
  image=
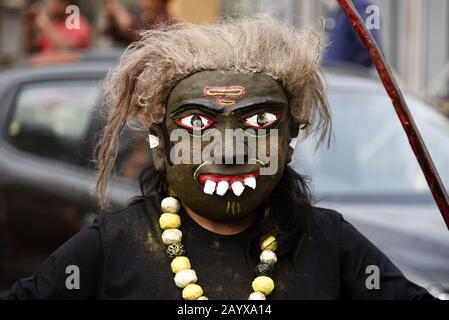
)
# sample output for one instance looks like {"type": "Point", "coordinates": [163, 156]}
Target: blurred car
{"type": "Point", "coordinates": [370, 175]}
{"type": "Point", "coordinates": [49, 120]}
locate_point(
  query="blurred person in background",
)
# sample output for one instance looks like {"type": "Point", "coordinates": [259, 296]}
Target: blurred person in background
{"type": "Point", "coordinates": [123, 27]}
{"type": "Point", "coordinates": [344, 44]}
{"type": "Point", "coordinates": [46, 31]}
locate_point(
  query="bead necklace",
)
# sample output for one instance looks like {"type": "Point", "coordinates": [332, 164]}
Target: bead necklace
{"type": "Point", "coordinates": [185, 276]}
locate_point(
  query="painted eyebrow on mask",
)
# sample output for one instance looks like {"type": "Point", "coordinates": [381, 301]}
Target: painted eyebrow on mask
{"type": "Point", "coordinates": [195, 103]}
{"type": "Point", "coordinates": [258, 103]}
{"type": "Point", "coordinates": [241, 107]}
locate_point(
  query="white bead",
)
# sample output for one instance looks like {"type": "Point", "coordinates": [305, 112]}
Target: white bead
{"type": "Point", "coordinates": [185, 277]}
{"type": "Point", "coordinates": [170, 205]}
{"type": "Point", "coordinates": [203, 298]}
{"type": "Point", "coordinates": [257, 296]}
{"type": "Point", "coordinates": [268, 256]}
{"type": "Point", "coordinates": [171, 236]}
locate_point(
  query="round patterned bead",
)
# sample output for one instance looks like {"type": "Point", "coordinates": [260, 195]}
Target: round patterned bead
{"type": "Point", "coordinates": [269, 243]}
{"type": "Point", "coordinates": [169, 221]}
{"type": "Point", "coordinates": [175, 250]}
{"type": "Point", "coordinates": [180, 263]}
{"type": "Point", "coordinates": [264, 269]}
{"type": "Point", "coordinates": [192, 292]}
{"type": "Point", "coordinates": [268, 257]}
{"type": "Point", "coordinates": [257, 296]}
{"type": "Point", "coordinates": [263, 284]}
{"type": "Point", "coordinates": [203, 298]}
{"type": "Point", "coordinates": [170, 205]}
{"type": "Point", "coordinates": [185, 277]}
{"type": "Point", "coordinates": [170, 236]}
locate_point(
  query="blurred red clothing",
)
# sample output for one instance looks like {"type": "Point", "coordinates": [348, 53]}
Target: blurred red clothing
{"type": "Point", "coordinates": [80, 38]}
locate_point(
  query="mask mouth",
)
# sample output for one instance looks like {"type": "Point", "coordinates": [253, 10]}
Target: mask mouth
{"type": "Point", "coordinates": [222, 183]}
{"type": "Point", "coordinates": [220, 178]}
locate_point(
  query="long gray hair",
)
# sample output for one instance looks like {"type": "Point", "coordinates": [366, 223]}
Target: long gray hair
{"type": "Point", "coordinates": [139, 85]}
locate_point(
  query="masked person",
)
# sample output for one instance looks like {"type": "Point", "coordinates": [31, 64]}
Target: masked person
{"type": "Point", "coordinates": [236, 222]}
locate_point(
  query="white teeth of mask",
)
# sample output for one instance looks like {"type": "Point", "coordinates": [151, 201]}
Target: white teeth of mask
{"type": "Point", "coordinates": [209, 187]}
{"type": "Point", "coordinates": [222, 187]}
{"type": "Point", "coordinates": [250, 182]}
{"type": "Point", "coordinates": [237, 188]}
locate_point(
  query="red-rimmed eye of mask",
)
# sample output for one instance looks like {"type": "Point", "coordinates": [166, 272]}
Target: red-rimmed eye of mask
{"type": "Point", "coordinates": [261, 120]}
{"type": "Point", "coordinates": [194, 121]}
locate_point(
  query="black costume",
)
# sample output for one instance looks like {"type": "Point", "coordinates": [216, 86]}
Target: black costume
{"type": "Point", "coordinates": [122, 256]}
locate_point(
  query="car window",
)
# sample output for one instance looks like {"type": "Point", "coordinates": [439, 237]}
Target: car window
{"type": "Point", "coordinates": [59, 120]}
{"type": "Point", "coordinates": [51, 119]}
{"type": "Point", "coordinates": [370, 153]}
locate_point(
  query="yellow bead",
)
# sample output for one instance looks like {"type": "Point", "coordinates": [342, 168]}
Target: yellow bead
{"type": "Point", "coordinates": [192, 292]}
{"type": "Point", "coordinates": [180, 263]}
{"type": "Point", "coordinates": [263, 284]}
{"type": "Point", "coordinates": [269, 243]}
{"type": "Point", "coordinates": [169, 221]}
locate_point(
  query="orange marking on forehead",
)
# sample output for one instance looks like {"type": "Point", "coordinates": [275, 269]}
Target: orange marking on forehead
{"type": "Point", "coordinates": [225, 96]}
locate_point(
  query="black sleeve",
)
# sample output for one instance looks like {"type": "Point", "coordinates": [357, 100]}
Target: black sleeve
{"type": "Point", "coordinates": [79, 258]}
{"type": "Point", "coordinates": [361, 262]}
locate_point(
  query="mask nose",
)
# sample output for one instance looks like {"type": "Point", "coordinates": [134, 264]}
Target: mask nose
{"type": "Point", "coordinates": [231, 148]}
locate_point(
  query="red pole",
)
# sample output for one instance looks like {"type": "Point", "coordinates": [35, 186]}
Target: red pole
{"type": "Point", "coordinates": [414, 137]}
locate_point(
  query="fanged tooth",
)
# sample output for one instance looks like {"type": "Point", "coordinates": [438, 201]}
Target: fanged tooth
{"type": "Point", "coordinates": [238, 188]}
{"type": "Point", "coordinates": [209, 187]}
{"type": "Point", "coordinates": [250, 182]}
{"type": "Point", "coordinates": [222, 187]}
